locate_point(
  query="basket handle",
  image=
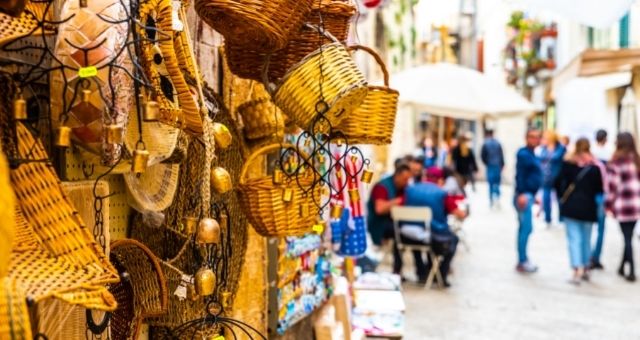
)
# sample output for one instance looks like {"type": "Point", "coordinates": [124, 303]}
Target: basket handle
{"type": "Point", "coordinates": [378, 59]}
{"type": "Point", "coordinates": [263, 150]}
{"type": "Point", "coordinates": [265, 68]}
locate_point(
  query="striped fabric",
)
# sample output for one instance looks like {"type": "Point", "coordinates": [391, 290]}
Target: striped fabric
{"type": "Point", "coordinates": [624, 190]}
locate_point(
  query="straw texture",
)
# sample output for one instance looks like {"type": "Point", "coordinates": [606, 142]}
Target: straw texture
{"type": "Point", "coordinates": [261, 118]}
{"type": "Point", "coordinates": [147, 285]}
{"type": "Point", "coordinates": [267, 24]}
{"type": "Point", "coordinates": [55, 254]}
{"type": "Point", "coordinates": [266, 209]}
{"type": "Point", "coordinates": [373, 121]}
{"type": "Point", "coordinates": [154, 189]}
{"type": "Point", "coordinates": [12, 28]}
{"type": "Point", "coordinates": [184, 111]}
{"type": "Point", "coordinates": [329, 71]}
{"type": "Point", "coordinates": [7, 227]}
{"type": "Point", "coordinates": [14, 316]}
{"type": "Point", "coordinates": [248, 61]}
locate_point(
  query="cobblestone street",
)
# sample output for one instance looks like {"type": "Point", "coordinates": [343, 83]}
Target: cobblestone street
{"type": "Point", "coordinates": [490, 300]}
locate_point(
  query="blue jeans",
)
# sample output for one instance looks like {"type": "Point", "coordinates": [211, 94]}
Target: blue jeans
{"type": "Point", "coordinates": [579, 241]}
{"type": "Point", "coordinates": [602, 215]}
{"type": "Point", "coordinates": [493, 177]}
{"type": "Point", "coordinates": [525, 219]}
{"type": "Point", "coordinates": [546, 203]}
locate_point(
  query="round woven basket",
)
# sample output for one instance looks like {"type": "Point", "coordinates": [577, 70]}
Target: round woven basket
{"type": "Point", "coordinates": [261, 118]}
{"type": "Point", "coordinates": [334, 15]}
{"type": "Point", "coordinates": [266, 24]}
{"type": "Point", "coordinates": [263, 201]}
{"type": "Point", "coordinates": [328, 73]}
{"type": "Point", "coordinates": [373, 121]}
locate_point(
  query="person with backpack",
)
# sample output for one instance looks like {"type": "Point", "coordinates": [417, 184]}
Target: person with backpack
{"type": "Point", "coordinates": [579, 182]}
{"type": "Point", "coordinates": [624, 196]}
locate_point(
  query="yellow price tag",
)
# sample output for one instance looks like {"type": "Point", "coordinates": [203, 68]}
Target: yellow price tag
{"type": "Point", "coordinates": [318, 228]}
{"type": "Point", "coordinates": [88, 72]}
{"type": "Point", "coordinates": [219, 337]}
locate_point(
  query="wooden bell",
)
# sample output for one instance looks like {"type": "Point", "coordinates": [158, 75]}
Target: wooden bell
{"type": "Point", "coordinates": [221, 180]}
{"type": "Point", "coordinates": [278, 177]}
{"type": "Point", "coordinates": [208, 231]}
{"type": "Point", "coordinates": [222, 135]}
{"type": "Point", "coordinates": [367, 176]}
{"type": "Point", "coordinates": [86, 95]}
{"type": "Point", "coordinates": [189, 224]}
{"type": "Point", "coordinates": [63, 137]}
{"type": "Point", "coordinates": [336, 211]}
{"type": "Point", "coordinates": [287, 195]}
{"type": "Point", "coordinates": [19, 108]}
{"type": "Point", "coordinates": [140, 159]}
{"type": "Point", "coordinates": [151, 111]}
{"type": "Point", "coordinates": [205, 281]}
{"type": "Point", "coordinates": [354, 195]}
{"type": "Point", "coordinates": [114, 134]}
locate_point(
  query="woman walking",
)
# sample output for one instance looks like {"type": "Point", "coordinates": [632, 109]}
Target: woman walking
{"type": "Point", "coordinates": [550, 155]}
{"type": "Point", "coordinates": [464, 161]}
{"type": "Point", "coordinates": [624, 196]}
{"type": "Point", "coordinates": [578, 184]}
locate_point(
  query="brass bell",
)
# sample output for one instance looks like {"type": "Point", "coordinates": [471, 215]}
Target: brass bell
{"type": "Point", "coordinates": [226, 300]}
{"type": "Point", "coordinates": [205, 281]}
{"type": "Point", "coordinates": [86, 95]}
{"type": "Point", "coordinates": [192, 294]}
{"type": "Point", "coordinates": [151, 111]}
{"type": "Point", "coordinates": [63, 137]}
{"type": "Point", "coordinates": [354, 195]}
{"type": "Point", "coordinates": [287, 195]}
{"type": "Point", "coordinates": [19, 108]}
{"type": "Point", "coordinates": [278, 177]}
{"type": "Point", "coordinates": [114, 134]}
{"type": "Point", "coordinates": [222, 135]}
{"type": "Point", "coordinates": [304, 209]}
{"type": "Point", "coordinates": [140, 159]}
{"type": "Point", "coordinates": [321, 159]}
{"type": "Point", "coordinates": [221, 180]}
{"type": "Point", "coordinates": [189, 224]}
{"type": "Point", "coordinates": [336, 211]}
{"type": "Point", "coordinates": [208, 231]}
{"type": "Point", "coordinates": [367, 176]}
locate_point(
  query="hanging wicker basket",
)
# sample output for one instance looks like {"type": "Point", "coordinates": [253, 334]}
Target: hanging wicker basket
{"type": "Point", "coordinates": [334, 15]}
{"type": "Point", "coordinates": [267, 24]}
{"type": "Point", "coordinates": [328, 74]}
{"type": "Point", "coordinates": [261, 118]}
{"type": "Point", "coordinates": [374, 120]}
{"type": "Point", "coordinates": [266, 208]}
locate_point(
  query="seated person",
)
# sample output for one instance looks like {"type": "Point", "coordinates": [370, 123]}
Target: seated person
{"type": "Point", "coordinates": [441, 238]}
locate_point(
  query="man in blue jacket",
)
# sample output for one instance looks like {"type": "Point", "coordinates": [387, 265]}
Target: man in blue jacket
{"type": "Point", "coordinates": [493, 158]}
{"type": "Point", "coordinates": [529, 179]}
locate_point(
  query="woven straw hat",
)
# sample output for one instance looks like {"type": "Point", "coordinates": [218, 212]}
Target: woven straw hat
{"type": "Point", "coordinates": [159, 139]}
{"type": "Point", "coordinates": [54, 254]}
{"type": "Point", "coordinates": [154, 189]}
{"type": "Point", "coordinates": [86, 40]}
{"type": "Point", "coordinates": [12, 28]}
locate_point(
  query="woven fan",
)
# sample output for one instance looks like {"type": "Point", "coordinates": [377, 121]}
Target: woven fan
{"type": "Point", "coordinates": [154, 189]}
{"type": "Point", "coordinates": [54, 253]}
{"type": "Point", "coordinates": [84, 41]}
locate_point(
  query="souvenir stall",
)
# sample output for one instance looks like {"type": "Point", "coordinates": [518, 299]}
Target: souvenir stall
{"type": "Point", "coordinates": [180, 169]}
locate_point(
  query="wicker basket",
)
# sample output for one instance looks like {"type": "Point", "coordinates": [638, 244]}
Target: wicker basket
{"type": "Point", "coordinates": [248, 61]}
{"type": "Point", "coordinates": [14, 315]}
{"type": "Point", "coordinates": [329, 71]}
{"type": "Point", "coordinates": [261, 118]}
{"type": "Point", "coordinates": [374, 120]}
{"type": "Point", "coordinates": [267, 24]}
{"type": "Point", "coordinates": [147, 284]}
{"type": "Point", "coordinates": [263, 201]}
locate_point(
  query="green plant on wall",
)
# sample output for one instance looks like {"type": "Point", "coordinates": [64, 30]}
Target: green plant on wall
{"type": "Point", "coordinates": [401, 40]}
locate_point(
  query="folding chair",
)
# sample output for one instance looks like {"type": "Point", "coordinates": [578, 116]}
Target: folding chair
{"type": "Point", "coordinates": [421, 215]}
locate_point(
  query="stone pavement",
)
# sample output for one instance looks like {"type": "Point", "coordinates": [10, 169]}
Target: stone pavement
{"type": "Point", "coordinates": [489, 300]}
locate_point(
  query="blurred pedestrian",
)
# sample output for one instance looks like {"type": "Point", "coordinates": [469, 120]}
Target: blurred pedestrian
{"type": "Point", "coordinates": [603, 152]}
{"type": "Point", "coordinates": [464, 161]}
{"type": "Point", "coordinates": [551, 154]}
{"type": "Point", "coordinates": [578, 184]}
{"type": "Point", "coordinates": [416, 164]}
{"type": "Point", "coordinates": [430, 153]}
{"type": "Point", "coordinates": [387, 193]}
{"type": "Point", "coordinates": [528, 181]}
{"type": "Point", "coordinates": [493, 158]}
{"type": "Point", "coordinates": [624, 196]}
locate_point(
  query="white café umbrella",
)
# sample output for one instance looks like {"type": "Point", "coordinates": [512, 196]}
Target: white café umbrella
{"type": "Point", "coordinates": [458, 92]}
{"type": "Point", "coordinates": [628, 118]}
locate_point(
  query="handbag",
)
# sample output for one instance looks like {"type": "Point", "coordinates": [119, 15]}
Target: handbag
{"type": "Point", "coordinates": [572, 187]}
